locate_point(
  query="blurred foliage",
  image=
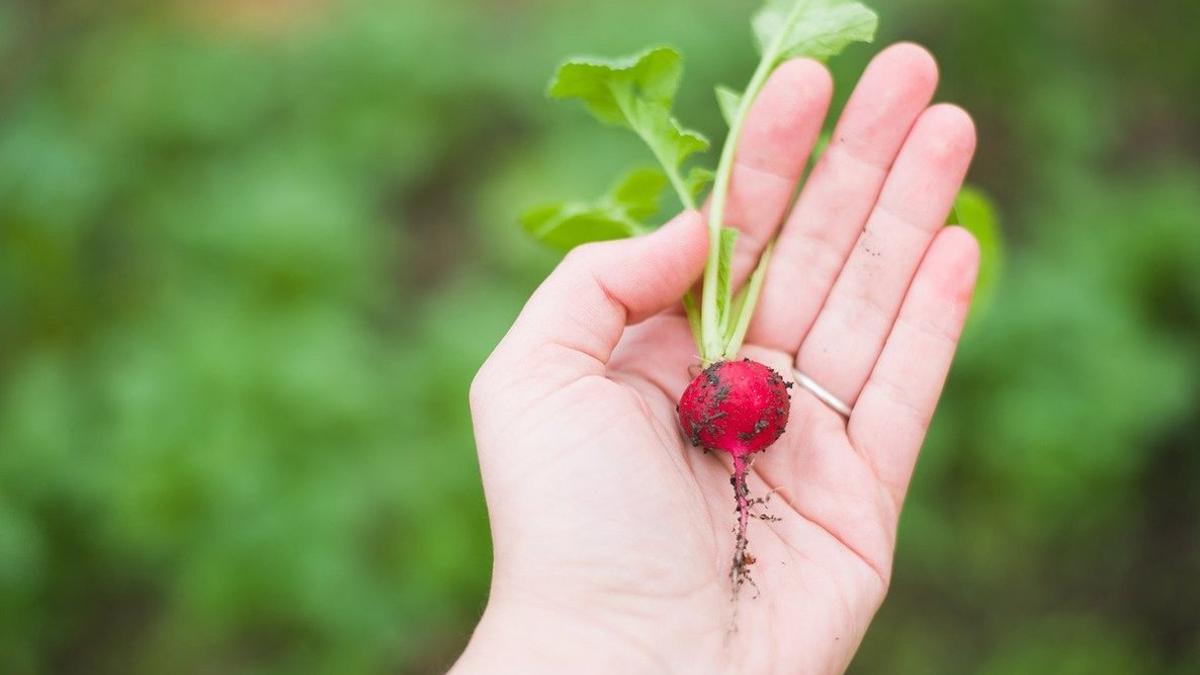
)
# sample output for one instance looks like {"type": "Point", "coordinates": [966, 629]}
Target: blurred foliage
{"type": "Point", "coordinates": [252, 252]}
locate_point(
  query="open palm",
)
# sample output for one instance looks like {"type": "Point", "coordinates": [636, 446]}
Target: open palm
{"type": "Point", "coordinates": [613, 537]}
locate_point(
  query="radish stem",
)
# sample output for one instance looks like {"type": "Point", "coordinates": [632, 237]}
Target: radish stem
{"type": "Point", "coordinates": [745, 309]}
{"type": "Point", "coordinates": [713, 344]}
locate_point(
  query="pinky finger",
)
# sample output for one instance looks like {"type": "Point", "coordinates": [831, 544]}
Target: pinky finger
{"type": "Point", "coordinates": [893, 412]}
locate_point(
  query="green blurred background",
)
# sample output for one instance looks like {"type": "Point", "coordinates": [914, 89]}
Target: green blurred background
{"type": "Point", "coordinates": [252, 252]}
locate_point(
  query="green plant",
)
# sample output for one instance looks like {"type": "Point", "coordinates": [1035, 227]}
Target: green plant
{"type": "Point", "coordinates": [638, 92]}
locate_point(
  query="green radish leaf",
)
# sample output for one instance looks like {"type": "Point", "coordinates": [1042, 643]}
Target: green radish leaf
{"type": "Point", "coordinates": [975, 212]}
{"type": "Point", "coordinates": [728, 101]}
{"type": "Point", "coordinates": [616, 215]}
{"type": "Point", "coordinates": [674, 142]}
{"type": "Point", "coordinates": [567, 225]}
{"type": "Point", "coordinates": [636, 92]}
{"type": "Point", "coordinates": [651, 76]}
{"type": "Point", "coordinates": [698, 179]}
{"type": "Point", "coordinates": [724, 276]}
{"type": "Point", "coordinates": [817, 29]}
{"type": "Point", "coordinates": [640, 192]}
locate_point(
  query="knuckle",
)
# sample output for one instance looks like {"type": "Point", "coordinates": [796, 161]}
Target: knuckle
{"type": "Point", "coordinates": [481, 386]}
{"type": "Point", "coordinates": [582, 256]}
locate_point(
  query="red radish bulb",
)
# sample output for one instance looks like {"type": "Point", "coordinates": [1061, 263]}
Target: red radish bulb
{"type": "Point", "coordinates": [739, 407]}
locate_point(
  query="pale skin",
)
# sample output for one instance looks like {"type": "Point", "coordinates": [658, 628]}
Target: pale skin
{"type": "Point", "coordinates": [613, 536]}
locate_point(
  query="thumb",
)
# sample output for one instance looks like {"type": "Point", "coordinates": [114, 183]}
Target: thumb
{"type": "Point", "coordinates": [577, 316]}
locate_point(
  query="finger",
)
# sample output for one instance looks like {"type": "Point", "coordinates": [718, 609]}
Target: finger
{"type": "Point", "coordinates": [844, 343]}
{"type": "Point", "coordinates": [779, 133]}
{"type": "Point", "coordinates": [889, 422]}
{"type": "Point", "coordinates": [573, 321]}
{"type": "Point", "coordinates": [839, 194]}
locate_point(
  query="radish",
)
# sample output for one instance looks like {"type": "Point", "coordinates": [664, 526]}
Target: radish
{"type": "Point", "coordinates": [739, 407]}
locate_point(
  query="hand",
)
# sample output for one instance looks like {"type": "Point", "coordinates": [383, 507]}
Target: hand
{"type": "Point", "coordinates": [613, 536]}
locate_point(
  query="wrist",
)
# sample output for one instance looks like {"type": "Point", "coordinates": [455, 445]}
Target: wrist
{"type": "Point", "coordinates": [531, 638]}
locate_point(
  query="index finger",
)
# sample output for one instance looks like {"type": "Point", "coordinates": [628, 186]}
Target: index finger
{"type": "Point", "coordinates": [779, 133]}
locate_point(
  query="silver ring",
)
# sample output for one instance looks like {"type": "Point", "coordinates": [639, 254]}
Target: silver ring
{"type": "Point", "coordinates": [836, 404]}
